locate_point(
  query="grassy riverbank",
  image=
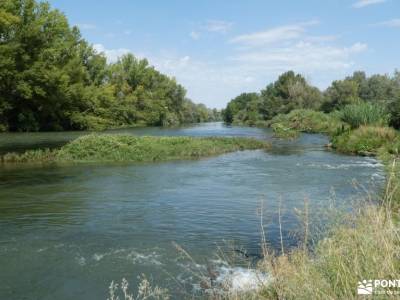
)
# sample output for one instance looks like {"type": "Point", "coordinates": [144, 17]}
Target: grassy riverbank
{"type": "Point", "coordinates": [125, 148]}
{"type": "Point", "coordinates": [363, 245]}
{"type": "Point", "coordinates": [357, 129]}
{"type": "Point", "coordinates": [367, 140]}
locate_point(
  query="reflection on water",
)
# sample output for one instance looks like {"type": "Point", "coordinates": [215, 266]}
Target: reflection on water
{"type": "Point", "coordinates": [66, 232]}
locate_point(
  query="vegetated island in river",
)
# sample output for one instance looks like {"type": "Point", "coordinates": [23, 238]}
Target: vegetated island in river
{"type": "Point", "coordinates": [126, 148]}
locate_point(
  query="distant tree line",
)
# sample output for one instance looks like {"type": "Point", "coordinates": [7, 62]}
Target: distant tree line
{"type": "Point", "coordinates": [291, 91]}
{"type": "Point", "coordinates": [52, 79]}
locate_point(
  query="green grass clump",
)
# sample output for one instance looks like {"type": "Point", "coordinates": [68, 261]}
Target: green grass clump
{"type": "Point", "coordinates": [310, 121]}
{"type": "Point", "coordinates": [40, 155]}
{"type": "Point", "coordinates": [120, 148]}
{"type": "Point", "coordinates": [363, 114]}
{"type": "Point", "coordinates": [280, 131]}
{"type": "Point", "coordinates": [366, 140]}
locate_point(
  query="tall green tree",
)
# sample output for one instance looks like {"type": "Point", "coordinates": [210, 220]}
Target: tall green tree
{"type": "Point", "coordinates": [290, 91]}
{"type": "Point", "coordinates": [340, 94]}
{"type": "Point", "coordinates": [52, 79]}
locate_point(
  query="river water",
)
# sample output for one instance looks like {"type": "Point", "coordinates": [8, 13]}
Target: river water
{"type": "Point", "coordinates": [67, 232]}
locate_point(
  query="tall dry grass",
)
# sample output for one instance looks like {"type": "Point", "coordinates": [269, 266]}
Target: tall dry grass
{"type": "Point", "coordinates": [145, 291]}
{"type": "Point", "coordinates": [365, 245]}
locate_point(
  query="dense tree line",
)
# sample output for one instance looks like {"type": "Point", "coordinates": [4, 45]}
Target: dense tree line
{"type": "Point", "coordinates": [291, 91]}
{"type": "Point", "coordinates": [52, 79]}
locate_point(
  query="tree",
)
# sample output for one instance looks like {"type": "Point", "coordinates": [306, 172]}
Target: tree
{"type": "Point", "coordinates": [290, 91]}
{"type": "Point", "coordinates": [340, 94]}
{"type": "Point", "coordinates": [52, 79]}
{"type": "Point", "coordinates": [245, 103]}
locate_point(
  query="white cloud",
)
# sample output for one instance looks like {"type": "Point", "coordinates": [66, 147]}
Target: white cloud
{"type": "Point", "coordinates": [194, 35]}
{"type": "Point", "coordinates": [218, 26]}
{"type": "Point", "coordinates": [208, 82]}
{"type": "Point", "coordinates": [301, 57]}
{"type": "Point", "coordinates": [86, 26]}
{"type": "Point", "coordinates": [254, 61]}
{"type": "Point", "coordinates": [273, 35]}
{"type": "Point", "coordinates": [389, 23]}
{"type": "Point", "coordinates": [112, 55]}
{"type": "Point", "coordinates": [357, 48]}
{"type": "Point", "coordinates": [248, 79]}
{"type": "Point", "coordinates": [322, 38]}
{"type": "Point", "coordinates": [364, 3]}
{"type": "Point", "coordinates": [290, 47]}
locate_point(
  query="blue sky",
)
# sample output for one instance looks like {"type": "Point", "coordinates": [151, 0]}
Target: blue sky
{"type": "Point", "coordinates": [218, 49]}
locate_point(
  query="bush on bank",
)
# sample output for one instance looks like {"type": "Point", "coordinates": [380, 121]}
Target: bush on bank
{"type": "Point", "coordinates": [366, 140]}
{"type": "Point", "coordinates": [310, 121]}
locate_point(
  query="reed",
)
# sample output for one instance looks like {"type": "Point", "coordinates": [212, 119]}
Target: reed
{"type": "Point", "coordinates": [363, 114]}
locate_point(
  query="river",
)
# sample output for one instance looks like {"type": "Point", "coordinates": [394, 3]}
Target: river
{"type": "Point", "coordinates": [67, 232]}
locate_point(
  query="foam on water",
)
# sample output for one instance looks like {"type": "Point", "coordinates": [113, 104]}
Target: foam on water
{"type": "Point", "coordinates": [152, 258]}
{"type": "Point", "coordinates": [238, 279]}
{"type": "Point", "coordinates": [225, 279]}
{"type": "Point", "coordinates": [144, 259]}
{"type": "Point", "coordinates": [80, 260]}
{"type": "Point", "coordinates": [355, 164]}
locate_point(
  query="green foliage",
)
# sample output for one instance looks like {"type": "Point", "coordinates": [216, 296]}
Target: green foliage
{"type": "Point", "coordinates": [280, 131]}
{"type": "Point", "coordinates": [341, 93]}
{"type": "Point", "coordinates": [52, 79]}
{"type": "Point", "coordinates": [40, 155]}
{"type": "Point", "coordinates": [290, 91]}
{"type": "Point", "coordinates": [365, 140]}
{"type": "Point", "coordinates": [394, 111]}
{"type": "Point", "coordinates": [306, 120]}
{"type": "Point", "coordinates": [364, 113]}
{"type": "Point", "coordinates": [243, 109]}
{"type": "Point", "coordinates": [377, 89]}
{"type": "Point", "coordinates": [107, 148]}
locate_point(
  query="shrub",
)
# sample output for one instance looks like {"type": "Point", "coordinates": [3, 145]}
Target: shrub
{"type": "Point", "coordinates": [40, 155]}
{"type": "Point", "coordinates": [280, 131]}
{"type": "Point", "coordinates": [83, 121]}
{"type": "Point", "coordinates": [306, 120]}
{"type": "Point", "coordinates": [366, 140]}
{"type": "Point", "coordinates": [363, 114]}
